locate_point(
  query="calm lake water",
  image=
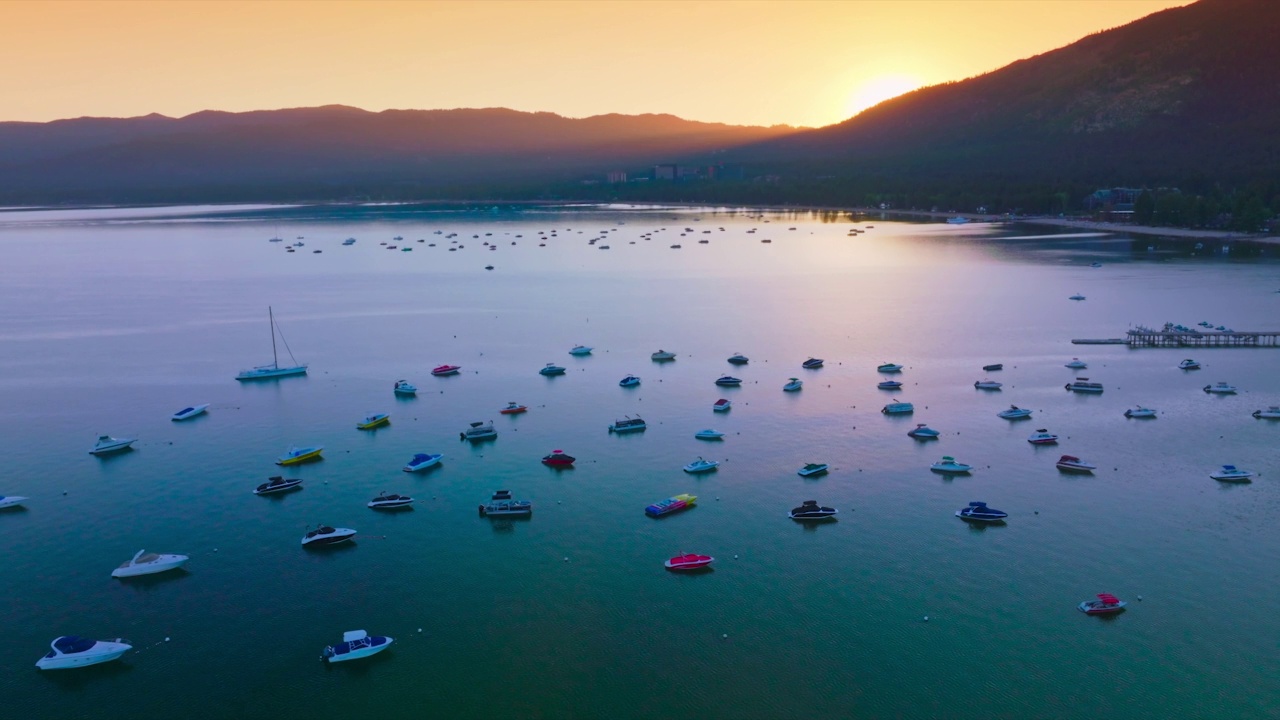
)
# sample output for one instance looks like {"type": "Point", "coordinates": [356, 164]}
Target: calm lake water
{"type": "Point", "coordinates": [115, 319]}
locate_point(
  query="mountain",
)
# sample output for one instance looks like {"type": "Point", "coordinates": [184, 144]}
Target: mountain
{"type": "Point", "coordinates": [333, 152]}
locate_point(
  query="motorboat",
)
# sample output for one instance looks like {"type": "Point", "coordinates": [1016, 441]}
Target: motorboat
{"type": "Point", "coordinates": [898, 408]}
{"type": "Point", "coordinates": [889, 385]}
{"type": "Point", "coordinates": [1095, 264]}
{"type": "Point", "coordinates": [11, 501]}
{"type": "Point", "coordinates": [923, 432]}
{"type": "Point", "coordinates": [987, 385]}
{"type": "Point", "coordinates": [1071, 463]}
{"type": "Point", "coordinates": [444, 370]}
{"type": "Point", "coordinates": [888, 368]}
{"type": "Point", "coordinates": [274, 370]}
{"type": "Point", "coordinates": [145, 563]}
{"type": "Point", "coordinates": [299, 455]}
{"type": "Point", "coordinates": [1140, 412]}
{"type": "Point", "coordinates": [708, 434]}
{"type": "Point", "coordinates": [479, 431]}
{"type": "Point", "coordinates": [276, 484]}
{"type": "Point", "coordinates": [811, 364]}
{"type": "Point", "coordinates": [71, 651]}
{"type": "Point", "coordinates": [390, 502]}
{"type": "Point", "coordinates": [812, 469]}
{"type": "Point", "coordinates": [1271, 413]}
{"type": "Point", "coordinates": [404, 388]}
{"type": "Point", "coordinates": [189, 412]}
{"type": "Point", "coordinates": [949, 466]}
{"type": "Point", "coordinates": [1042, 437]}
{"type": "Point", "coordinates": [503, 505]}
{"type": "Point", "coordinates": [810, 510]}
{"type": "Point", "coordinates": [700, 466]}
{"type": "Point", "coordinates": [512, 409]}
{"type": "Point", "coordinates": [1188, 364]}
{"type": "Point", "coordinates": [325, 535]}
{"type": "Point", "coordinates": [580, 350]}
{"type": "Point", "coordinates": [107, 445]}
{"type": "Point", "coordinates": [1077, 296]}
{"type": "Point", "coordinates": [349, 241]}
{"type": "Point", "coordinates": [558, 458]}
{"type": "Point", "coordinates": [979, 512]}
{"type": "Point", "coordinates": [992, 368]}
{"type": "Point", "coordinates": [957, 220]}
{"type": "Point", "coordinates": [672, 504]}
{"type": "Point", "coordinates": [728, 381]}
{"type": "Point", "coordinates": [739, 359]}
{"type": "Point", "coordinates": [628, 424]}
{"type": "Point", "coordinates": [1220, 389]}
{"type": "Point", "coordinates": [721, 405]}
{"type": "Point", "coordinates": [1014, 413]}
{"type": "Point", "coordinates": [551, 369]}
{"type": "Point", "coordinates": [629, 381]}
{"type": "Point", "coordinates": [689, 561]}
{"type": "Point", "coordinates": [1082, 385]}
{"type": "Point", "coordinates": [662, 355]}
{"type": "Point", "coordinates": [1106, 604]}
{"type": "Point", "coordinates": [792, 385]}
{"type": "Point", "coordinates": [1077, 364]}
{"type": "Point", "coordinates": [356, 644]}
{"type": "Point", "coordinates": [1231, 473]}
{"type": "Point", "coordinates": [422, 461]}
{"type": "Point", "coordinates": [373, 420]}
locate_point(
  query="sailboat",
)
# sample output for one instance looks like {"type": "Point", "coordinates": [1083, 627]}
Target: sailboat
{"type": "Point", "coordinates": [264, 372]}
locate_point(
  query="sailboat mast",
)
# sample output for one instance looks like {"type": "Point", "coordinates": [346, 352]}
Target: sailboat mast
{"type": "Point", "coordinates": [275, 361]}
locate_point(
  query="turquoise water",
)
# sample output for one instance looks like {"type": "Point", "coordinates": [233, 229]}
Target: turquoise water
{"type": "Point", "coordinates": [117, 318]}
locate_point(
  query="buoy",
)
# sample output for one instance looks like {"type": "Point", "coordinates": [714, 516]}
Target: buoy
{"type": "Point", "coordinates": [419, 629]}
{"type": "Point", "coordinates": [725, 635]}
{"type": "Point", "coordinates": [566, 559]}
{"type": "Point", "coordinates": [926, 618]}
{"type": "Point", "coordinates": [166, 639]}
{"type": "Point", "coordinates": [735, 557]}
{"type": "Point", "coordinates": [1139, 597]}
{"type": "Point", "coordinates": [215, 549]}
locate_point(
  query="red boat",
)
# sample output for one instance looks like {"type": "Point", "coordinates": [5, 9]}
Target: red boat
{"type": "Point", "coordinates": [512, 409]}
{"type": "Point", "coordinates": [557, 458]}
{"type": "Point", "coordinates": [446, 370]}
{"type": "Point", "coordinates": [721, 405]}
{"type": "Point", "coordinates": [1106, 604]}
{"type": "Point", "coordinates": [689, 562]}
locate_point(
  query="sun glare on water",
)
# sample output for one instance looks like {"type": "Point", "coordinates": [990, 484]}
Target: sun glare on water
{"type": "Point", "coordinates": [877, 90]}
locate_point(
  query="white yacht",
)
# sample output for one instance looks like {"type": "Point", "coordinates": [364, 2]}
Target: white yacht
{"type": "Point", "coordinates": [107, 445]}
{"type": "Point", "coordinates": [1077, 364]}
{"type": "Point", "coordinates": [1140, 412]}
{"type": "Point", "coordinates": [1271, 413]}
{"type": "Point", "coordinates": [1220, 389]}
{"type": "Point", "coordinates": [71, 651]}
{"type": "Point", "coordinates": [1231, 473]}
{"type": "Point", "coordinates": [145, 563]}
{"type": "Point", "coordinates": [1014, 413]}
{"type": "Point", "coordinates": [580, 350]}
{"type": "Point", "coordinates": [189, 412]}
{"type": "Point", "coordinates": [11, 501]}
{"type": "Point", "coordinates": [356, 644]}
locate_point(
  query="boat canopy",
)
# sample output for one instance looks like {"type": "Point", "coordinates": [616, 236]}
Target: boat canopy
{"type": "Point", "coordinates": [70, 644]}
{"type": "Point", "coordinates": [1108, 598]}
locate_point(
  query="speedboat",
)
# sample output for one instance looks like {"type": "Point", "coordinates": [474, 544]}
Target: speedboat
{"type": "Point", "coordinates": [189, 412]}
{"type": "Point", "coordinates": [349, 241]}
{"type": "Point", "coordinates": [728, 381]}
{"type": "Point", "coordinates": [1095, 264]}
{"type": "Point", "coordinates": [1077, 364]}
{"type": "Point", "coordinates": [889, 385]}
{"type": "Point", "coordinates": [277, 484]}
{"type": "Point", "coordinates": [551, 369]}
{"type": "Point", "coordinates": [387, 502]}
{"type": "Point", "coordinates": [1220, 389]}
{"type": "Point", "coordinates": [580, 350]}
{"type": "Point", "coordinates": [671, 504]}
{"type": "Point", "coordinates": [479, 431]}
{"type": "Point", "coordinates": [558, 458]}
{"type": "Point", "coordinates": [373, 420]}
{"type": "Point", "coordinates": [1231, 473]}
{"type": "Point", "coordinates": [629, 381]}
{"type": "Point", "coordinates": [512, 409]}
{"type": "Point", "coordinates": [422, 461]}
{"type": "Point", "coordinates": [898, 408]}
{"type": "Point", "coordinates": [11, 501]}
{"type": "Point", "coordinates": [1077, 296]}
{"type": "Point", "coordinates": [721, 405]}
{"type": "Point", "coordinates": [889, 368]}
{"type": "Point", "coordinates": [145, 563]}
{"type": "Point", "coordinates": [811, 364]}
{"type": "Point", "coordinates": [1271, 413]}
{"type": "Point", "coordinates": [993, 368]}
{"type": "Point", "coordinates": [923, 432]}
{"type": "Point", "coordinates": [1188, 364]}
{"type": "Point", "coordinates": [979, 512]}
{"type": "Point", "coordinates": [1071, 463]}
{"type": "Point", "coordinates": [792, 385]}
{"type": "Point", "coordinates": [356, 644]}
{"type": "Point", "coordinates": [297, 455]}
{"type": "Point", "coordinates": [1140, 412]}
{"type": "Point", "coordinates": [708, 434]}
{"type": "Point", "coordinates": [701, 466]}
{"type": "Point", "coordinates": [662, 355]}
{"type": "Point", "coordinates": [739, 359]}
{"type": "Point", "coordinates": [324, 535]}
{"type": "Point", "coordinates": [503, 505]}
{"type": "Point", "coordinates": [987, 385]}
{"type": "Point", "coordinates": [71, 651]}
{"type": "Point", "coordinates": [811, 469]}
{"type": "Point", "coordinates": [107, 445]}
{"type": "Point", "coordinates": [1043, 437]}
{"type": "Point", "coordinates": [1082, 385]}
{"type": "Point", "coordinates": [811, 510]}
{"type": "Point", "coordinates": [1014, 413]}
{"type": "Point", "coordinates": [948, 466]}
{"type": "Point", "coordinates": [1106, 604]}
{"type": "Point", "coordinates": [628, 424]}
{"type": "Point", "coordinates": [446, 370]}
{"type": "Point", "coordinates": [689, 561]}
{"type": "Point", "coordinates": [404, 388]}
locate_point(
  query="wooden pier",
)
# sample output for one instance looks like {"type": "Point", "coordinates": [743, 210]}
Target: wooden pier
{"type": "Point", "coordinates": [1146, 337]}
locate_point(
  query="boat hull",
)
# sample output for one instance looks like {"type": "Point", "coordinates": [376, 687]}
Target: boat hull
{"type": "Point", "coordinates": [165, 564]}
{"type": "Point", "coordinates": [111, 449]}
{"type": "Point", "coordinates": [299, 459]}
{"type": "Point", "coordinates": [271, 373]}
{"type": "Point", "coordinates": [423, 465]}
{"type": "Point", "coordinates": [102, 651]}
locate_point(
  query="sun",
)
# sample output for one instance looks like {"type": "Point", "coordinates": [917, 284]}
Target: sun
{"type": "Point", "coordinates": [877, 90]}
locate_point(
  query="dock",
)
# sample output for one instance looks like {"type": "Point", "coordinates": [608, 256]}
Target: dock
{"type": "Point", "coordinates": [1172, 337]}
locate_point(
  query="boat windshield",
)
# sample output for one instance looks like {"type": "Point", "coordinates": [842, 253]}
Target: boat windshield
{"type": "Point", "coordinates": [68, 644]}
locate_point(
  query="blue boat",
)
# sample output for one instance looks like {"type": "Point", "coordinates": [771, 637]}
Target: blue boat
{"type": "Point", "coordinates": [356, 644]}
{"type": "Point", "coordinates": [979, 512]}
{"type": "Point", "coordinates": [629, 381]}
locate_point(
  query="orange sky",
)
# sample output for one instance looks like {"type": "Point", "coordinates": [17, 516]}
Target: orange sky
{"type": "Point", "coordinates": [794, 62]}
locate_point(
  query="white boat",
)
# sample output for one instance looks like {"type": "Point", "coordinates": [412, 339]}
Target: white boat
{"type": "Point", "coordinates": [277, 484]}
{"type": "Point", "coordinates": [1231, 473]}
{"type": "Point", "coordinates": [662, 355]}
{"type": "Point", "coordinates": [264, 372]}
{"type": "Point", "coordinates": [1071, 463]}
{"type": "Point", "coordinates": [422, 461]}
{"type": "Point", "coordinates": [949, 466]}
{"type": "Point", "coordinates": [708, 434]}
{"type": "Point", "coordinates": [1077, 364]}
{"type": "Point", "coordinates": [721, 405]}
{"type": "Point", "coordinates": [811, 469]}
{"type": "Point", "coordinates": [898, 408]}
{"type": "Point", "coordinates": [145, 563]}
{"type": "Point", "coordinates": [403, 387]}
{"type": "Point", "coordinates": [1140, 412]}
{"type": "Point", "coordinates": [479, 431]}
{"type": "Point", "coordinates": [1271, 413]}
{"type": "Point", "coordinates": [888, 385]}
{"type": "Point", "coordinates": [1220, 389]}
{"type": "Point", "coordinates": [1043, 437]}
{"type": "Point", "coordinates": [988, 385]}
{"type": "Point", "coordinates": [70, 651]}
{"type": "Point", "coordinates": [1188, 364]}
{"type": "Point", "coordinates": [503, 505]}
{"type": "Point", "coordinates": [11, 501]}
{"type": "Point", "coordinates": [629, 381]}
{"type": "Point", "coordinates": [325, 535]}
{"type": "Point", "coordinates": [1014, 413]}
{"type": "Point", "coordinates": [888, 368]}
{"type": "Point", "coordinates": [792, 385]}
{"type": "Point", "coordinates": [580, 350]}
{"type": "Point", "coordinates": [189, 412]}
{"type": "Point", "coordinates": [107, 445]}
{"type": "Point", "coordinates": [356, 644]}
{"type": "Point", "coordinates": [385, 501]}
{"type": "Point", "coordinates": [628, 424]}
{"type": "Point", "coordinates": [700, 465]}
{"type": "Point", "coordinates": [551, 369]}
{"type": "Point", "coordinates": [923, 432]}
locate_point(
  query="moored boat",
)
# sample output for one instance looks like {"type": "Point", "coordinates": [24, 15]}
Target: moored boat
{"type": "Point", "coordinates": [721, 405]}
{"type": "Point", "coordinates": [628, 424]}
{"type": "Point", "coordinates": [324, 536]}
{"type": "Point", "coordinates": [403, 387]}
{"type": "Point", "coordinates": [11, 501]}
{"type": "Point", "coordinates": [297, 455]}
{"type": "Point", "coordinates": [1077, 364]}
{"type": "Point", "coordinates": [107, 445]}
{"type": "Point", "coordinates": [1014, 413]}
{"type": "Point", "coordinates": [580, 350]}
{"type": "Point", "coordinates": [689, 561]}
{"type": "Point", "coordinates": [189, 412]}
{"type": "Point", "coordinates": [276, 484]}
{"type": "Point", "coordinates": [923, 432]}
{"type": "Point", "coordinates": [1271, 413]}
{"type": "Point", "coordinates": [812, 469]}
{"type": "Point", "coordinates": [444, 370]}
{"type": "Point", "coordinates": [145, 563]}
{"type": "Point", "coordinates": [355, 644]}
{"type": "Point", "coordinates": [373, 420]}
{"type": "Point", "coordinates": [987, 385]}
{"type": "Point", "coordinates": [738, 359]}
{"type": "Point", "coordinates": [503, 505]}
{"type": "Point", "coordinates": [629, 381]}
{"type": "Point", "coordinates": [1042, 437]}
{"type": "Point", "coordinates": [662, 355]}
{"type": "Point", "coordinates": [71, 651]}
{"type": "Point", "coordinates": [993, 368]}
{"type": "Point", "coordinates": [792, 385]}
{"type": "Point", "coordinates": [479, 431]}
{"type": "Point", "coordinates": [728, 381]}
{"type": "Point", "coordinates": [1082, 385]}
{"type": "Point", "coordinates": [810, 510]}
{"type": "Point", "coordinates": [672, 504]}
{"type": "Point", "coordinates": [1231, 473]}
{"type": "Point", "coordinates": [1106, 604]}
{"type": "Point", "coordinates": [1220, 389]}
{"type": "Point", "coordinates": [898, 408]}
{"type": "Point", "coordinates": [1077, 296]}
{"type": "Point", "coordinates": [390, 502]}
{"type": "Point", "coordinates": [1188, 364]}
{"type": "Point", "coordinates": [888, 368]}
{"type": "Point", "coordinates": [266, 372]}
{"type": "Point", "coordinates": [979, 512]}
{"type": "Point", "coordinates": [512, 409]}
{"type": "Point", "coordinates": [889, 385]}
{"type": "Point", "coordinates": [1139, 412]}
{"type": "Point", "coordinates": [812, 364]}
{"type": "Point", "coordinates": [551, 369]}
{"type": "Point", "coordinates": [949, 466]}
{"type": "Point", "coordinates": [1071, 463]}
{"type": "Point", "coordinates": [422, 461]}
{"type": "Point", "coordinates": [558, 458]}
{"type": "Point", "coordinates": [709, 434]}
{"type": "Point", "coordinates": [700, 466]}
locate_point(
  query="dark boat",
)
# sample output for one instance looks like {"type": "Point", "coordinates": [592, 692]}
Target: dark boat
{"type": "Point", "coordinates": [728, 381]}
{"type": "Point", "coordinates": [325, 535]}
{"type": "Point", "coordinates": [979, 512]}
{"type": "Point", "coordinates": [739, 360]}
{"type": "Point", "coordinates": [385, 501]}
{"type": "Point", "coordinates": [811, 364]}
{"type": "Point", "coordinates": [558, 458]}
{"type": "Point", "coordinates": [277, 484]}
{"type": "Point", "coordinates": [993, 368]}
{"type": "Point", "coordinates": [811, 510]}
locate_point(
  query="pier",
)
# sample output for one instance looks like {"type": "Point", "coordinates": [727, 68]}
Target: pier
{"type": "Point", "coordinates": [1173, 337]}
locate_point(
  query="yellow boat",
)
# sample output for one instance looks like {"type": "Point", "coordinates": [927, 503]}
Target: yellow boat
{"type": "Point", "coordinates": [297, 455]}
{"type": "Point", "coordinates": [373, 420]}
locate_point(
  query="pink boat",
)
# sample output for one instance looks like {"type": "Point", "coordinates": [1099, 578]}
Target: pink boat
{"type": "Point", "coordinates": [721, 405]}
{"type": "Point", "coordinates": [558, 458]}
{"type": "Point", "coordinates": [446, 370]}
{"type": "Point", "coordinates": [1106, 604]}
{"type": "Point", "coordinates": [689, 562]}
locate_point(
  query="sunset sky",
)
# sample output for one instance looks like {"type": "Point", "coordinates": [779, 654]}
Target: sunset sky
{"type": "Point", "coordinates": [792, 62]}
